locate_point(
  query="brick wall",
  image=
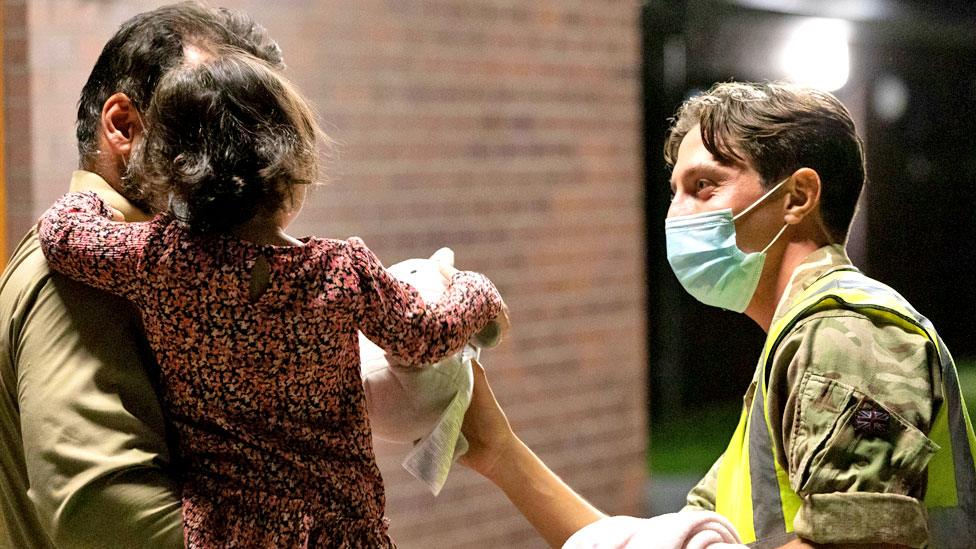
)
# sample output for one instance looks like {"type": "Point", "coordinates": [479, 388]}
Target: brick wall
{"type": "Point", "coordinates": [16, 119]}
{"type": "Point", "coordinates": [508, 130]}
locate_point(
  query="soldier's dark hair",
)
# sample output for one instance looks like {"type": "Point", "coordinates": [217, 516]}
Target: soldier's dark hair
{"type": "Point", "coordinates": [226, 139]}
{"type": "Point", "coordinates": [147, 45]}
{"type": "Point", "coordinates": [779, 128]}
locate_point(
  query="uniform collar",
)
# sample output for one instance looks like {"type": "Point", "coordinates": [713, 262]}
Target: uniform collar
{"type": "Point", "coordinates": [82, 180]}
{"type": "Point", "coordinates": [813, 267]}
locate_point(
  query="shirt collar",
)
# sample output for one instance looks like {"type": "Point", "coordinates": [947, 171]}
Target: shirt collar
{"type": "Point", "coordinates": [813, 267]}
{"type": "Point", "coordinates": [82, 180]}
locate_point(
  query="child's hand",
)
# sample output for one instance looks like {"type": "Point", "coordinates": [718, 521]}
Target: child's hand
{"type": "Point", "coordinates": [503, 322]}
{"type": "Point", "coordinates": [117, 215]}
{"type": "Point", "coordinates": [500, 325]}
{"type": "Point", "coordinates": [445, 262]}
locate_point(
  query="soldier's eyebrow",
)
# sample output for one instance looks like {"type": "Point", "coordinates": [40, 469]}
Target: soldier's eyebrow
{"type": "Point", "coordinates": [703, 170]}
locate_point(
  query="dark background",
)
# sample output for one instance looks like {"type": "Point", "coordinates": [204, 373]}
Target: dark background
{"type": "Point", "coordinates": [916, 228]}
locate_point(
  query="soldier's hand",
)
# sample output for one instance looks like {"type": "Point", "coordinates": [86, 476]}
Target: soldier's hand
{"type": "Point", "coordinates": [485, 427]}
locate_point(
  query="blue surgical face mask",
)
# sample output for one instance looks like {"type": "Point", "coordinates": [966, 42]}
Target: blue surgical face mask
{"type": "Point", "coordinates": [703, 255]}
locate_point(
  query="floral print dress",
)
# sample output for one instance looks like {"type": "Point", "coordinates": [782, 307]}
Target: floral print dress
{"type": "Point", "coordinates": [265, 393]}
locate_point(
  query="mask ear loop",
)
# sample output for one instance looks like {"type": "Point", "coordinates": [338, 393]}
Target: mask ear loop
{"type": "Point", "coordinates": [775, 238]}
{"type": "Point", "coordinates": [761, 199]}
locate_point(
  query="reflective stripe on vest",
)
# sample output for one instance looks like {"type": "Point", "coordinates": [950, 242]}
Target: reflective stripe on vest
{"type": "Point", "coordinates": [753, 489]}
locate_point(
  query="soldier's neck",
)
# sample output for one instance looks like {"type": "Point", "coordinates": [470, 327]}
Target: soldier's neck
{"type": "Point", "coordinates": [777, 271]}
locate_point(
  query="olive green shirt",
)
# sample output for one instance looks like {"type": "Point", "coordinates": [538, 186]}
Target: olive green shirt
{"type": "Point", "coordinates": [854, 488]}
{"type": "Point", "coordinates": [84, 460]}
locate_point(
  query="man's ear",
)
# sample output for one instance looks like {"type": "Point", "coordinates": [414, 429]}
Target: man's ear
{"type": "Point", "coordinates": [803, 196]}
{"type": "Point", "coordinates": [119, 125]}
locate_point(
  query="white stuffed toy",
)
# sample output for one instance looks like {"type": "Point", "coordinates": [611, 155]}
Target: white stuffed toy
{"type": "Point", "coordinates": [423, 406]}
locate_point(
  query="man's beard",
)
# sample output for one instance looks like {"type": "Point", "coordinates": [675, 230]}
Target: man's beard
{"type": "Point", "coordinates": [135, 191]}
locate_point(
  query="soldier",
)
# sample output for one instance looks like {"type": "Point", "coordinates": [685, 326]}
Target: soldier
{"type": "Point", "coordinates": [853, 430]}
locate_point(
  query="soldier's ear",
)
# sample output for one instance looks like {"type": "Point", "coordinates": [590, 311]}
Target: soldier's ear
{"type": "Point", "coordinates": [803, 195]}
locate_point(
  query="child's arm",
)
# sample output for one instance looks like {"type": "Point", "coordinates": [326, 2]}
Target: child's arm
{"type": "Point", "coordinates": [80, 240]}
{"type": "Point", "coordinates": [393, 314]}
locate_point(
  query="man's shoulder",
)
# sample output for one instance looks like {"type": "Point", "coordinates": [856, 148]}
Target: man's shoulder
{"type": "Point", "coordinates": [885, 361]}
{"type": "Point", "coordinates": [851, 337]}
{"type": "Point", "coordinates": [26, 272]}
{"type": "Point", "coordinates": [865, 311]}
{"type": "Point", "coordinates": [847, 336]}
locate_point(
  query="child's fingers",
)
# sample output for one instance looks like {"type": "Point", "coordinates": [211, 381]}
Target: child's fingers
{"type": "Point", "coordinates": [117, 215]}
{"type": "Point", "coordinates": [444, 255]}
{"type": "Point", "coordinates": [503, 322]}
{"type": "Point", "coordinates": [447, 271]}
{"type": "Point", "coordinates": [445, 262]}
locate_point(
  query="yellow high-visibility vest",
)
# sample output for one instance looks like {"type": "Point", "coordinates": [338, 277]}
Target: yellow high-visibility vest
{"type": "Point", "coordinates": [753, 488]}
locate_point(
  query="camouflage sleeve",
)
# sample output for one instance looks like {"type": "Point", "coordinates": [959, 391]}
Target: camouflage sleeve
{"type": "Point", "coordinates": [851, 401]}
{"type": "Point", "coordinates": [702, 496]}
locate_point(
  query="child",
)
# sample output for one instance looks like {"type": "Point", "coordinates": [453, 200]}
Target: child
{"type": "Point", "coordinates": [256, 331]}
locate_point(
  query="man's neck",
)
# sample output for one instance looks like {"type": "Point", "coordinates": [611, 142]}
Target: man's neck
{"type": "Point", "coordinates": [82, 180]}
{"type": "Point", "coordinates": [775, 279]}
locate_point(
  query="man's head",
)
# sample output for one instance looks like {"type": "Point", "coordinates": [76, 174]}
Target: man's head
{"type": "Point", "coordinates": [776, 130]}
{"type": "Point", "coordinates": [122, 83]}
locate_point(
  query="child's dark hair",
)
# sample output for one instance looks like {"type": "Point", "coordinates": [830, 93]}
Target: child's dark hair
{"type": "Point", "coordinates": [226, 139]}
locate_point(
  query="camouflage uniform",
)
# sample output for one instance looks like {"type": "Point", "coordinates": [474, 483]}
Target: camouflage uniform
{"type": "Point", "coordinates": [843, 473]}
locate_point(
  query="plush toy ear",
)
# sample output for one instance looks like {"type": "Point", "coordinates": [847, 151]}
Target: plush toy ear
{"type": "Point", "coordinates": [444, 255]}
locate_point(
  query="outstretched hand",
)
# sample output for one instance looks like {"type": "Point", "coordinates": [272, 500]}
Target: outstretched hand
{"type": "Point", "coordinates": [551, 506]}
{"type": "Point", "coordinates": [485, 427]}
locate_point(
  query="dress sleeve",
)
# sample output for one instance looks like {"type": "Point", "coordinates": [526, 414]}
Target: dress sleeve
{"type": "Point", "coordinates": [80, 240]}
{"type": "Point", "coordinates": [393, 314]}
{"type": "Point", "coordinates": [855, 401]}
